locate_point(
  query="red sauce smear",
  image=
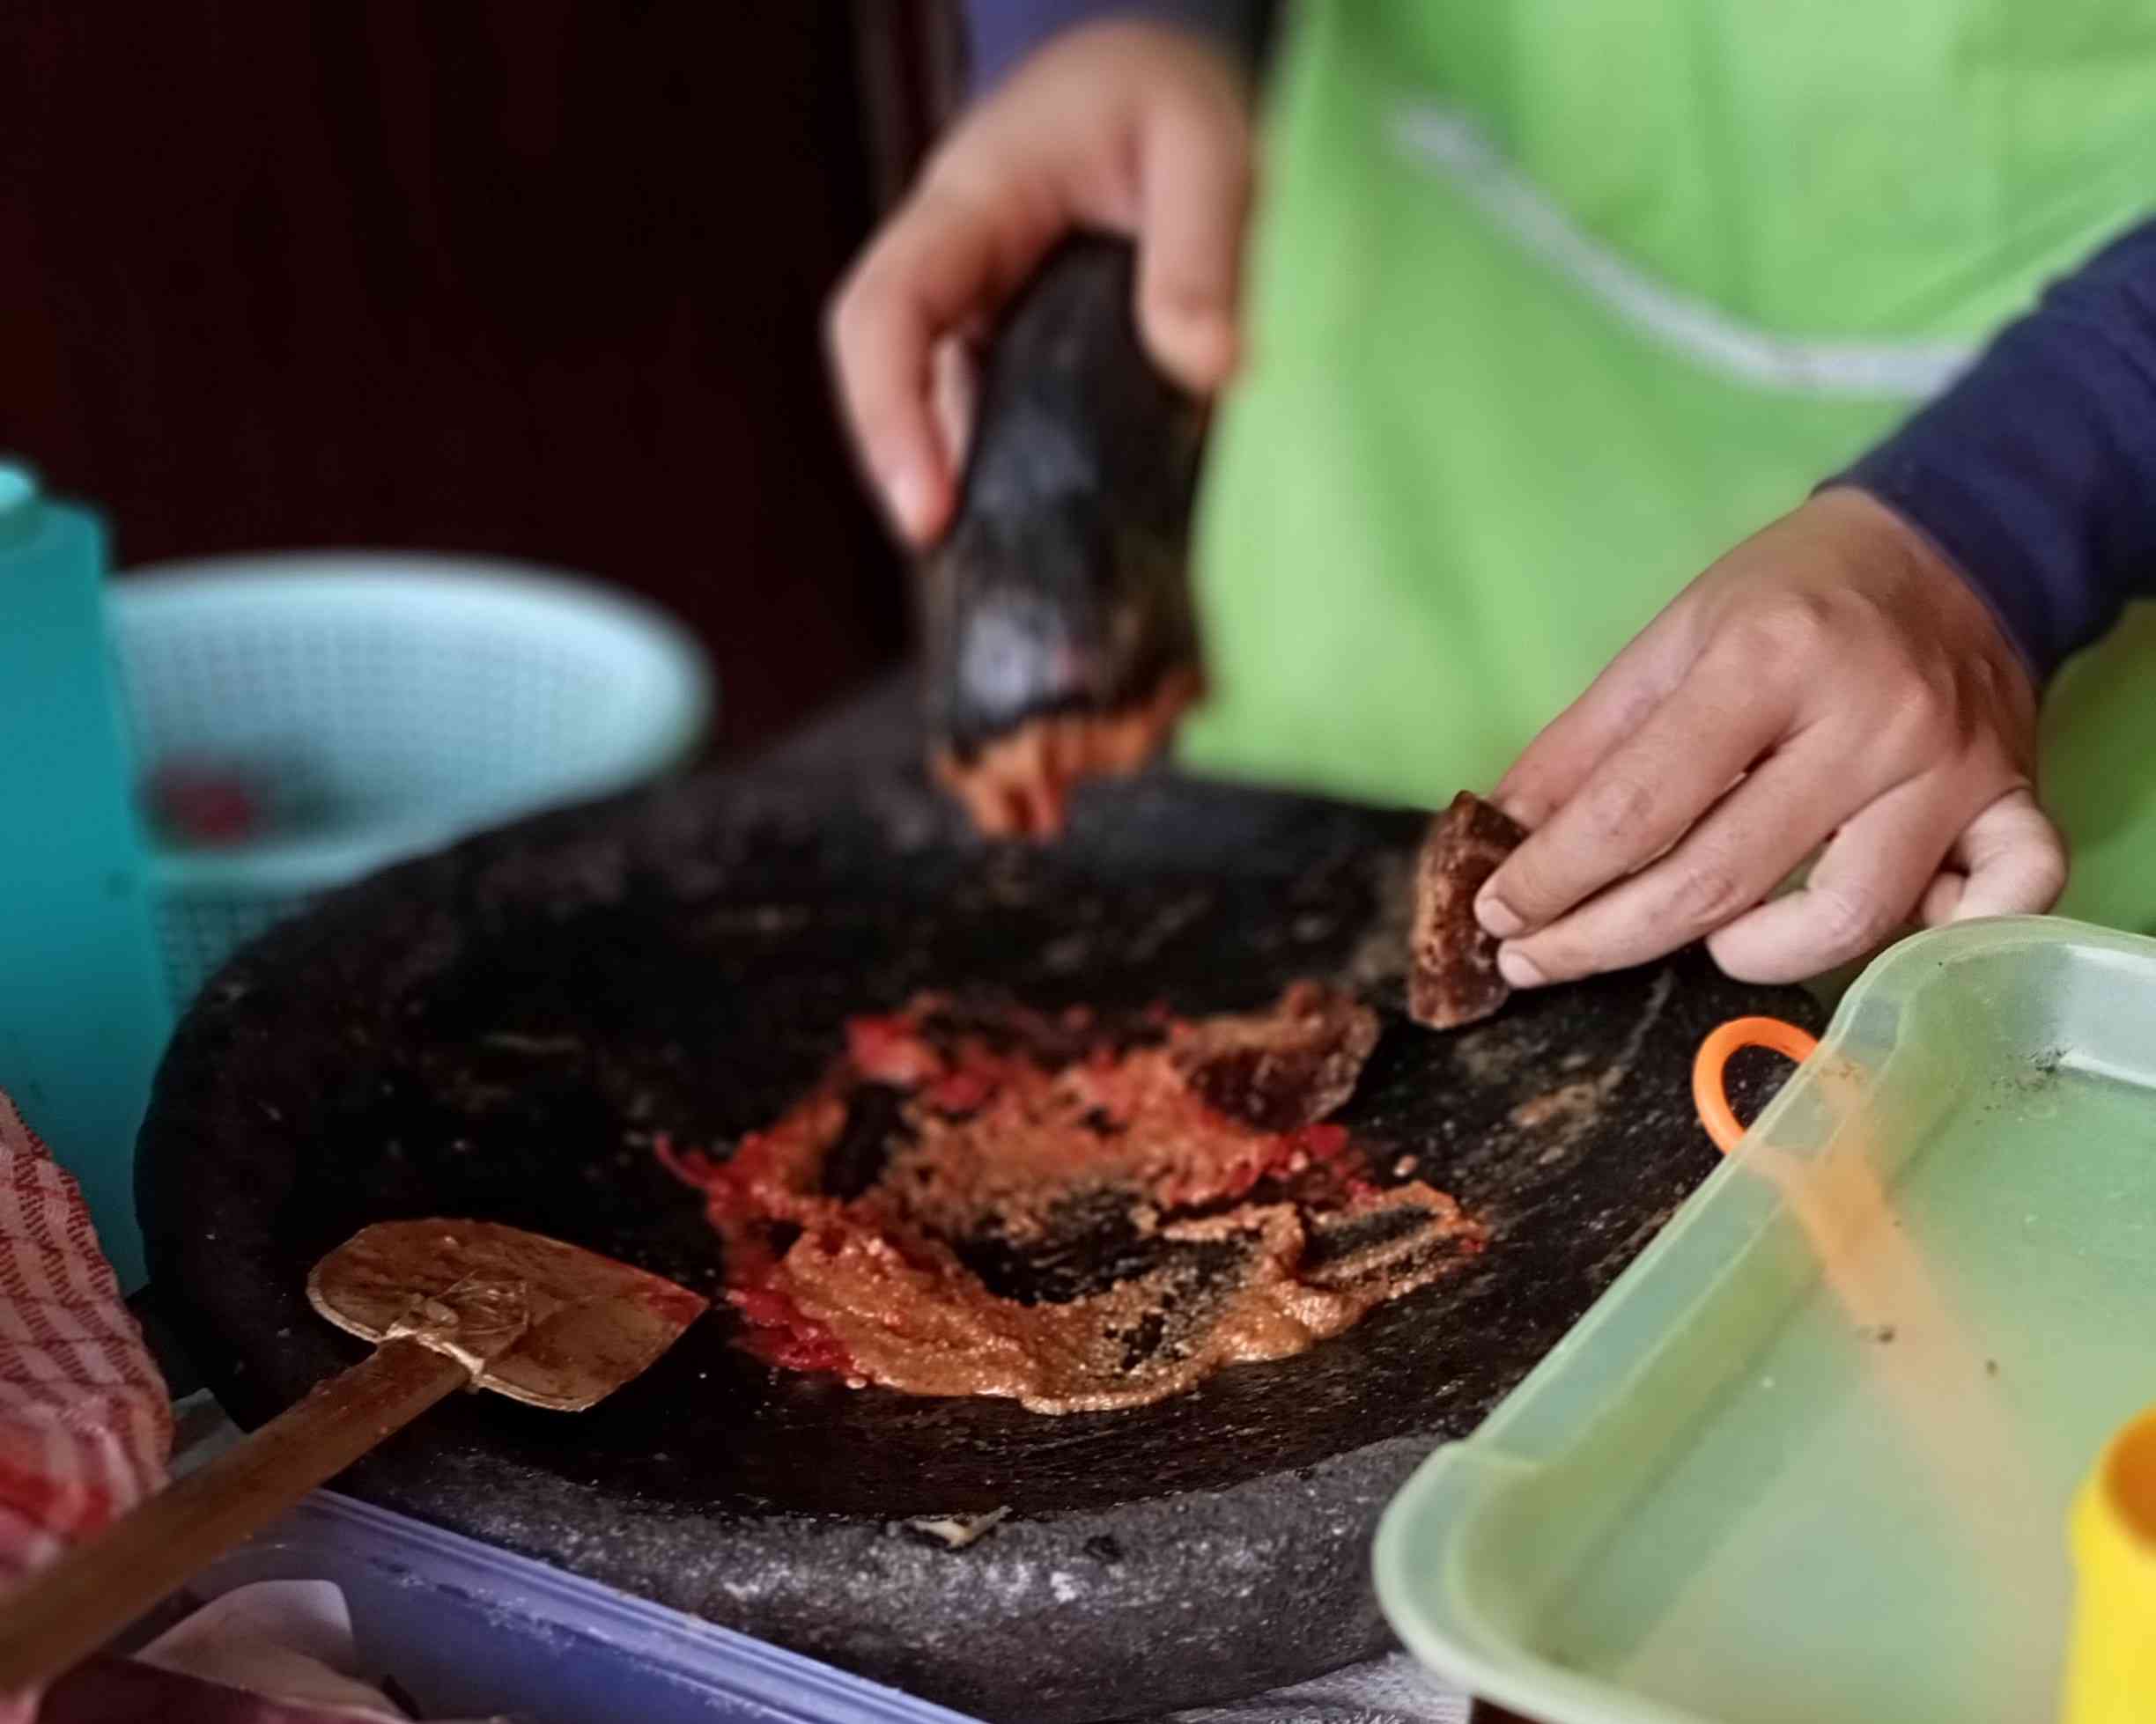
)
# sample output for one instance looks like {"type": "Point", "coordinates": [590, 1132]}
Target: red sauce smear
{"type": "Point", "coordinates": [1003, 1128]}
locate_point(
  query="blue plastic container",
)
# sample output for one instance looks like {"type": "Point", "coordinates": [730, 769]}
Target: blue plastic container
{"type": "Point", "coordinates": [84, 1014]}
{"type": "Point", "coordinates": [470, 1632]}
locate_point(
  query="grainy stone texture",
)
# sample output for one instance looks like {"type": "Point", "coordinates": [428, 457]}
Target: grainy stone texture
{"type": "Point", "coordinates": [499, 1031]}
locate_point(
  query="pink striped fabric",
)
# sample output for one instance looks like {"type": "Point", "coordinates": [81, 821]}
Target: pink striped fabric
{"type": "Point", "coordinates": [85, 1425]}
{"type": "Point", "coordinates": [86, 1431]}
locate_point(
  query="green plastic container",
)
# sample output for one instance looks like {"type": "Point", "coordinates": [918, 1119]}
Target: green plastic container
{"type": "Point", "coordinates": [1810, 1460]}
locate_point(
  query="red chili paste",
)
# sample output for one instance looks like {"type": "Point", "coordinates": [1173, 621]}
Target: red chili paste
{"type": "Point", "coordinates": [1192, 1154]}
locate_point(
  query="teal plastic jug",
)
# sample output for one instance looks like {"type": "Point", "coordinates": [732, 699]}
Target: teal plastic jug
{"type": "Point", "coordinates": [84, 1013]}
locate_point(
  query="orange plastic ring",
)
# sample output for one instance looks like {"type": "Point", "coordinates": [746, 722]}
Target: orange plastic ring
{"type": "Point", "coordinates": [1709, 1092]}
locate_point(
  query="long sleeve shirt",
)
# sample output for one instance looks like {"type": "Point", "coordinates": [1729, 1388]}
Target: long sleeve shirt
{"type": "Point", "coordinates": [2035, 472]}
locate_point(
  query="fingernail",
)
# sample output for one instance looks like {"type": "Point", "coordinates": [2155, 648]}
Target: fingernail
{"type": "Point", "coordinates": [1519, 969]}
{"type": "Point", "coordinates": [1498, 918]}
{"type": "Point", "coordinates": [909, 499]}
{"type": "Point", "coordinates": [1197, 336]}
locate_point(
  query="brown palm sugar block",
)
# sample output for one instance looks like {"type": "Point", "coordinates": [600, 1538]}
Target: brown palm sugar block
{"type": "Point", "coordinates": [1452, 975]}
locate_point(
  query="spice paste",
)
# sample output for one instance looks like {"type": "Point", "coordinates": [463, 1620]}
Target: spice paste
{"type": "Point", "coordinates": [1077, 1212]}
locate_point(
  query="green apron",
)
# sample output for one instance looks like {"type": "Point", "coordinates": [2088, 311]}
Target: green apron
{"type": "Point", "coordinates": [1553, 301]}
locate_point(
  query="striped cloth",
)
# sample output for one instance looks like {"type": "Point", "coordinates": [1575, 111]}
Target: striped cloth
{"type": "Point", "coordinates": [85, 1432]}
{"type": "Point", "coordinates": [85, 1421]}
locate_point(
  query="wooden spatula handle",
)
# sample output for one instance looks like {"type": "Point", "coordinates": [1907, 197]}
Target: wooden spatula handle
{"type": "Point", "coordinates": [73, 1608]}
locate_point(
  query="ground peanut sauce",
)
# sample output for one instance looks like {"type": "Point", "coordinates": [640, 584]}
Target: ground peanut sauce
{"type": "Point", "coordinates": [1250, 1226]}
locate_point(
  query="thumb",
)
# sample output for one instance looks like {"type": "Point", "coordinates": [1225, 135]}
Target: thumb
{"type": "Point", "coordinates": [1194, 185]}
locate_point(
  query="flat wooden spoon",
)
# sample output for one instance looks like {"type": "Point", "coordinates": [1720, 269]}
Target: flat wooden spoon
{"type": "Point", "coordinates": [451, 1305]}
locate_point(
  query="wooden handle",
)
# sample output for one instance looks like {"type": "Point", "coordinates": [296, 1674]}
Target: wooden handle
{"type": "Point", "coordinates": [72, 1609]}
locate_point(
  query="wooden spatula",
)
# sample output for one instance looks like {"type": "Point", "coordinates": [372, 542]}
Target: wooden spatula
{"type": "Point", "coordinates": [451, 1305]}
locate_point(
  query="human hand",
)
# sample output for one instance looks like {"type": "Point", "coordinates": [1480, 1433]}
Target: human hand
{"type": "Point", "coordinates": [1832, 681]}
{"type": "Point", "coordinates": [1132, 129]}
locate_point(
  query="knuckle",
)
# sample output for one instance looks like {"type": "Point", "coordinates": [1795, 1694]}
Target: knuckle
{"type": "Point", "coordinates": [2004, 687]}
{"type": "Point", "coordinates": [1797, 625]}
{"type": "Point", "coordinates": [969, 187]}
{"type": "Point", "coordinates": [1528, 882]}
{"type": "Point", "coordinates": [1922, 723]}
{"type": "Point", "coordinates": [1618, 810]}
{"type": "Point", "coordinates": [1843, 923]}
{"type": "Point", "coordinates": [2047, 876]}
{"type": "Point", "coordinates": [2041, 860]}
{"type": "Point", "coordinates": [1707, 892]}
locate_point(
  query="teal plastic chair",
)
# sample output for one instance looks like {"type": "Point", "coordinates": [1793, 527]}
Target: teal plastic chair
{"type": "Point", "coordinates": [84, 1011]}
{"type": "Point", "coordinates": [387, 703]}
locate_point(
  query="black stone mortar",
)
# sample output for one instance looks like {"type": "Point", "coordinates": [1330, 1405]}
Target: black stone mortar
{"type": "Point", "coordinates": [500, 1031]}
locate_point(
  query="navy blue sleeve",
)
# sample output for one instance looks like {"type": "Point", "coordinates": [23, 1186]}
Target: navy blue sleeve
{"type": "Point", "coordinates": [1002, 33]}
{"type": "Point", "coordinates": [2036, 471]}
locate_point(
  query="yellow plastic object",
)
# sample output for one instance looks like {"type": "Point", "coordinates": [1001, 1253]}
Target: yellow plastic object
{"type": "Point", "coordinates": [2111, 1660]}
{"type": "Point", "coordinates": [1810, 1460]}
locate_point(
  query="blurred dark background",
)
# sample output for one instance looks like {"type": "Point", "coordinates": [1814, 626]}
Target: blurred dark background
{"type": "Point", "coordinates": [521, 278]}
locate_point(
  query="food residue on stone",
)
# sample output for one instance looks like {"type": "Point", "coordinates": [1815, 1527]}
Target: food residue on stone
{"type": "Point", "coordinates": [1019, 786]}
{"type": "Point", "coordinates": [955, 1532]}
{"type": "Point", "coordinates": [1077, 1212]}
